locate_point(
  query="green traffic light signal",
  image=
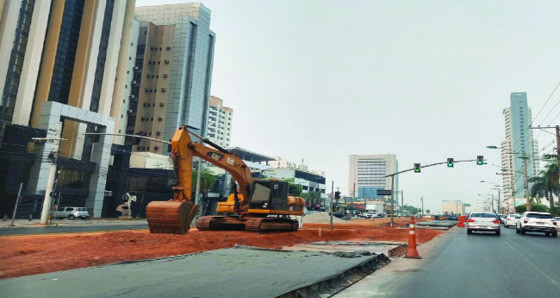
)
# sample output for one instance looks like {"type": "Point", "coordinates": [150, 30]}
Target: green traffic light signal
{"type": "Point", "coordinates": [480, 160]}
{"type": "Point", "coordinates": [416, 168]}
{"type": "Point", "coordinates": [450, 162]}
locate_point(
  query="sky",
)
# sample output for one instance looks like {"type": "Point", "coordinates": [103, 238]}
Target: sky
{"type": "Point", "coordinates": [320, 80]}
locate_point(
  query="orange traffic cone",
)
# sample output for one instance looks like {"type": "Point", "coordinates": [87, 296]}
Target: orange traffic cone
{"type": "Point", "coordinates": [461, 222]}
{"type": "Point", "coordinates": [412, 252]}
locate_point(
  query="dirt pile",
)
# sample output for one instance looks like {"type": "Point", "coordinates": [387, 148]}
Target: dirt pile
{"type": "Point", "coordinates": [27, 255]}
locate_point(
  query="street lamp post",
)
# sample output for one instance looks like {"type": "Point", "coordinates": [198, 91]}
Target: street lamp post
{"type": "Point", "coordinates": [524, 157]}
{"type": "Point", "coordinates": [499, 190]}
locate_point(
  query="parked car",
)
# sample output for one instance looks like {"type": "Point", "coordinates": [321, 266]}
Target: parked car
{"type": "Point", "coordinates": [511, 220]}
{"type": "Point", "coordinates": [483, 221]}
{"type": "Point", "coordinates": [537, 222]}
{"type": "Point", "coordinates": [71, 213]}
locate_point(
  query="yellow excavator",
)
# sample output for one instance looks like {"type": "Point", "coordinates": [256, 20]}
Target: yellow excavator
{"type": "Point", "coordinates": [257, 205]}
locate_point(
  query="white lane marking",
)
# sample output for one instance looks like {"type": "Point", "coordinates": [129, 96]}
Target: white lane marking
{"type": "Point", "coordinates": [535, 266]}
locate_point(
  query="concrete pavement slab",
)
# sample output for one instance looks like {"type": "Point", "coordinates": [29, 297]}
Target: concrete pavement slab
{"type": "Point", "coordinates": [234, 272]}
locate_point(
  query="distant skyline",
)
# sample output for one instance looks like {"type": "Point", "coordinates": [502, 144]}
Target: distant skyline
{"type": "Point", "coordinates": [425, 80]}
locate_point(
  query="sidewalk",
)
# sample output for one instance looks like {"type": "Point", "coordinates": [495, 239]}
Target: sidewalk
{"type": "Point", "coordinates": [36, 223]}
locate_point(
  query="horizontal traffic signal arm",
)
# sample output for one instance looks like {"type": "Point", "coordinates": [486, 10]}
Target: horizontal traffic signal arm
{"type": "Point", "coordinates": [431, 165]}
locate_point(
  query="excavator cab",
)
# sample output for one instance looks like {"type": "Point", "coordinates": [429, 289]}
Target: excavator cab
{"type": "Point", "coordinates": [269, 194]}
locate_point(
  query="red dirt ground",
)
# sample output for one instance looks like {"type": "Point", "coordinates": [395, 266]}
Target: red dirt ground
{"type": "Point", "coordinates": [28, 255]}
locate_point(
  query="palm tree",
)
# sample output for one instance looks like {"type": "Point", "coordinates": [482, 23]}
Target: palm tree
{"type": "Point", "coordinates": [539, 188]}
{"type": "Point", "coordinates": [546, 185]}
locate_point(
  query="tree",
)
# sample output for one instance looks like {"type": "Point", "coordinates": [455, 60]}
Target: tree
{"type": "Point", "coordinates": [427, 211]}
{"type": "Point", "coordinates": [312, 198]}
{"type": "Point", "coordinates": [409, 209]}
{"type": "Point", "coordinates": [546, 184]}
{"type": "Point", "coordinates": [534, 207]}
{"type": "Point", "coordinates": [207, 178]}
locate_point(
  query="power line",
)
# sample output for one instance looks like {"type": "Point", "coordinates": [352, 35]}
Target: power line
{"type": "Point", "coordinates": [553, 91]}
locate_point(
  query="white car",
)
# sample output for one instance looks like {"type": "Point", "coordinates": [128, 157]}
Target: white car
{"type": "Point", "coordinates": [511, 220]}
{"type": "Point", "coordinates": [537, 222]}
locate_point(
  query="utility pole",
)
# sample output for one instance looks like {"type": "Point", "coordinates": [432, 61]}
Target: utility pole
{"type": "Point", "coordinates": [527, 203]}
{"type": "Point", "coordinates": [499, 206]}
{"type": "Point", "coordinates": [392, 199]}
{"type": "Point", "coordinates": [557, 127]}
{"type": "Point", "coordinates": [331, 207]}
{"type": "Point", "coordinates": [558, 160]}
{"type": "Point", "coordinates": [422, 200]}
{"type": "Point", "coordinates": [402, 200]}
{"type": "Point", "coordinates": [47, 202]}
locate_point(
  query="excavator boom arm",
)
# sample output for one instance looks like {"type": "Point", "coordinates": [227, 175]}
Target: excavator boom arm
{"type": "Point", "coordinates": [183, 151]}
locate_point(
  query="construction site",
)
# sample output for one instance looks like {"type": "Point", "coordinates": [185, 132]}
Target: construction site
{"type": "Point", "coordinates": [368, 245]}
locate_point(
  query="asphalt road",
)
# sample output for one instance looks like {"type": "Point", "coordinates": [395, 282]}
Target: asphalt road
{"type": "Point", "coordinates": [4, 231]}
{"type": "Point", "coordinates": [485, 265]}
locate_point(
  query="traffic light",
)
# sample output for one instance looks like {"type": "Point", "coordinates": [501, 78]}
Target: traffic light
{"type": "Point", "coordinates": [450, 162]}
{"type": "Point", "coordinates": [337, 195]}
{"type": "Point", "coordinates": [479, 160]}
{"type": "Point", "coordinates": [416, 168]}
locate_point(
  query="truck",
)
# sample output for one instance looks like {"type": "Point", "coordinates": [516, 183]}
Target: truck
{"type": "Point", "coordinates": [374, 209]}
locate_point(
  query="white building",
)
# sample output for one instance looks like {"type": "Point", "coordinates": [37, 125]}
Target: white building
{"type": "Point", "coordinates": [219, 122]}
{"type": "Point", "coordinates": [367, 174]}
{"type": "Point", "coordinates": [518, 140]}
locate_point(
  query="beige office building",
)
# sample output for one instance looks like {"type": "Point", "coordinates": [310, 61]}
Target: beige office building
{"type": "Point", "coordinates": [452, 207]}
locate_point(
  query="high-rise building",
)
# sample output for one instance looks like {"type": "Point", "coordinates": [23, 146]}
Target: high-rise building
{"type": "Point", "coordinates": [219, 122]}
{"type": "Point", "coordinates": [60, 67]}
{"type": "Point", "coordinates": [367, 175]}
{"type": "Point", "coordinates": [518, 141]}
{"type": "Point", "coordinates": [170, 86]}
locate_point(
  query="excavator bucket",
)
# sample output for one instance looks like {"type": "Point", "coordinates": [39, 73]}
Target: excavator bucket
{"type": "Point", "coordinates": [173, 217]}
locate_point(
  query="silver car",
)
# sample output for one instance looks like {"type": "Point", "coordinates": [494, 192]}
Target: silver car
{"type": "Point", "coordinates": [483, 221]}
{"type": "Point", "coordinates": [71, 213]}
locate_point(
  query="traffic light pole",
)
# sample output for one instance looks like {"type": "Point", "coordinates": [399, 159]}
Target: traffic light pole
{"type": "Point", "coordinates": [408, 170]}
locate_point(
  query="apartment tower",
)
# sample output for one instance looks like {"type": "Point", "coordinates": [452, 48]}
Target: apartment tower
{"type": "Point", "coordinates": [518, 141]}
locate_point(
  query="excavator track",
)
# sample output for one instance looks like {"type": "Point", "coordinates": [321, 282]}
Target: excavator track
{"type": "Point", "coordinates": [271, 224]}
{"type": "Point", "coordinates": [220, 223]}
{"type": "Point", "coordinates": [172, 217]}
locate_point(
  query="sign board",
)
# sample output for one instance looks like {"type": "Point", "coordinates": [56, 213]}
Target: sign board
{"type": "Point", "coordinates": [383, 192]}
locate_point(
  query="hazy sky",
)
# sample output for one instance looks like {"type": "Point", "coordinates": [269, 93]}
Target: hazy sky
{"type": "Point", "coordinates": [425, 80]}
